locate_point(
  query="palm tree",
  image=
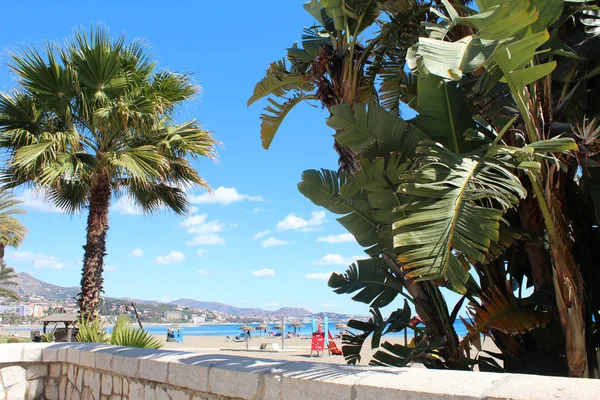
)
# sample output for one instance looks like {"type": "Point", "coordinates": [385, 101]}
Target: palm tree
{"type": "Point", "coordinates": [6, 279]}
{"type": "Point", "coordinates": [94, 118]}
{"type": "Point", "coordinates": [12, 232]}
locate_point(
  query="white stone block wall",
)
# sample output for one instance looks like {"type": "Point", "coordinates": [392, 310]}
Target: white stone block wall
{"type": "Point", "coordinates": [98, 372]}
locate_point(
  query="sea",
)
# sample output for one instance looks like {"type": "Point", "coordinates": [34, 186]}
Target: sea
{"type": "Point", "coordinates": [234, 329]}
{"type": "Point", "coordinates": [231, 330]}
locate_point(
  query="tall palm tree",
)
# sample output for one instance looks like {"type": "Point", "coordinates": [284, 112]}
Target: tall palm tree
{"type": "Point", "coordinates": [6, 279]}
{"type": "Point", "coordinates": [94, 118]}
{"type": "Point", "coordinates": [12, 232]}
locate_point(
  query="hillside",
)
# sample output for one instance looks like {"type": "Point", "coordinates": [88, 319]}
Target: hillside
{"type": "Point", "coordinates": [27, 285]}
{"type": "Point", "coordinates": [30, 286]}
{"type": "Point", "coordinates": [242, 312]}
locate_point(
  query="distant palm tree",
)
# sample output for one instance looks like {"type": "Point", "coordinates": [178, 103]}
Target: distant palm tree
{"type": "Point", "coordinates": [6, 279]}
{"type": "Point", "coordinates": [12, 232]}
{"type": "Point", "coordinates": [92, 119]}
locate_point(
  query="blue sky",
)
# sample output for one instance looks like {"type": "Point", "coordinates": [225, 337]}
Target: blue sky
{"type": "Point", "coordinates": [257, 242]}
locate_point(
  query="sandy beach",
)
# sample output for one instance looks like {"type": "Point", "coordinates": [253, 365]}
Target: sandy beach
{"type": "Point", "coordinates": [296, 349]}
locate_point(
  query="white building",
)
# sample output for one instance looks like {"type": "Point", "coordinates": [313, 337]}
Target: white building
{"type": "Point", "coordinates": [173, 315]}
{"type": "Point", "coordinates": [25, 310]}
{"type": "Point", "coordinates": [8, 309]}
{"type": "Point", "coordinates": [37, 311]}
{"type": "Point", "coordinates": [199, 320]}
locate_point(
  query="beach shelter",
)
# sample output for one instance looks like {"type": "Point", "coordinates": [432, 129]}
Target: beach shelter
{"type": "Point", "coordinates": [261, 328]}
{"type": "Point", "coordinates": [61, 334]}
{"type": "Point", "coordinates": [246, 328]}
{"type": "Point", "coordinates": [297, 325]}
{"type": "Point", "coordinates": [341, 326]}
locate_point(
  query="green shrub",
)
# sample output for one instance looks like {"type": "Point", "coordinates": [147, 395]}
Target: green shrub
{"type": "Point", "coordinates": [13, 340]}
{"type": "Point", "coordinates": [122, 335]}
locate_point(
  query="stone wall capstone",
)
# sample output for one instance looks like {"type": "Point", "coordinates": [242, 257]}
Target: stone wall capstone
{"type": "Point", "coordinates": [97, 372]}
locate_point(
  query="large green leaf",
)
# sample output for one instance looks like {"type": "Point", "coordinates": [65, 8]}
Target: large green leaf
{"type": "Point", "coordinates": [279, 82]}
{"type": "Point", "coordinates": [450, 60]}
{"type": "Point", "coordinates": [274, 115]}
{"type": "Point", "coordinates": [376, 286]}
{"type": "Point", "coordinates": [322, 188]}
{"type": "Point", "coordinates": [360, 126]}
{"type": "Point", "coordinates": [449, 221]}
{"type": "Point", "coordinates": [443, 112]}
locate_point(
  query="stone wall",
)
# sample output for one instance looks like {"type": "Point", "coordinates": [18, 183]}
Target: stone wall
{"type": "Point", "coordinates": [90, 371]}
{"type": "Point", "coordinates": [23, 381]}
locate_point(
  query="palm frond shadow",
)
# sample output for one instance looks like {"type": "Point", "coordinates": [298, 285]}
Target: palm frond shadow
{"type": "Point", "coordinates": [280, 368]}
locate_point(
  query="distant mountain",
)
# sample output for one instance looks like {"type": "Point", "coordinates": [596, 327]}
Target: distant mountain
{"type": "Point", "coordinates": [242, 312]}
{"type": "Point", "coordinates": [27, 285]}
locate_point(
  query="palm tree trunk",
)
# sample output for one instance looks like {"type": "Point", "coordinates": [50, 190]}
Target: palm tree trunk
{"type": "Point", "coordinates": [95, 247]}
{"type": "Point", "coordinates": [2, 250]}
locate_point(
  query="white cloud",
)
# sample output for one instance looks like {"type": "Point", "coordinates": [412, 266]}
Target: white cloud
{"type": "Point", "coordinates": [194, 220]}
{"type": "Point", "coordinates": [263, 272]}
{"type": "Point", "coordinates": [272, 304]}
{"type": "Point", "coordinates": [125, 206]}
{"type": "Point", "coordinates": [110, 268]}
{"type": "Point", "coordinates": [274, 242]}
{"type": "Point", "coordinates": [224, 196]}
{"type": "Point", "coordinates": [294, 222]}
{"type": "Point", "coordinates": [342, 238]}
{"type": "Point", "coordinates": [137, 253]}
{"type": "Point", "coordinates": [260, 209]}
{"type": "Point", "coordinates": [329, 304]}
{"type": "Point", "coordinates": [318, 276]}
{"type": "Point", "coordinates": [210, 239]}
{"type": "Point", "coordinates": [173, 257]}
{"type": "Point", "coordinates": [261, 234]}
{"type": "Point", "coordinates": [203, 272]}
{"type": "Point", "coordinates": [336, 259]}
{"type": "Point", "coordinates": [35, 201]}
{"type": "Point", "coordinates": [206, 231]}
{"type": "Point", "coordinates": [201, 252]}
{"type": "Point", "coordinates": [39, 260]}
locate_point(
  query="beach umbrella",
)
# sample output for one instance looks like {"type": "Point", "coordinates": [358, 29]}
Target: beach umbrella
{"type": "Point", "coordinates": [298, 325]}
{"type": "Point", "coordinates": [262, 327]}
{"type": "Point", "coordinates": [246, 328]}
{"type": "Point", "coordinates": [278, 327]}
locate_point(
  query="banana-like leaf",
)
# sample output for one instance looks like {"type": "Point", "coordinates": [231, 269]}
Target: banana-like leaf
{"type": "Point", "coordinates": [360, 126]}
{"type": "Point", "coordinates": [322, 188]}
{"type": "Point", "coordinates": [377, 327]}
{"type": "Point", "coordinates": [455, 214]}
{"type": "Point", "coordinates": [275, 114]}
{"type": "Point", "coordinates": [313, 7]}
{"type": "Point", "coordinates": [443, 113]}
{"type": "Point", "coordinates": [279, 82]}
{"type": "Point", "coordinates": [503, 313]}
{"type": "Point", "coordinates": [396, 87]}
{"type": "Point", "coordinates": [351, 15]}
{"type": "Point", "coordinates": [376, 285]}
{"type": "Point", "coordinates": [450, 60]}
